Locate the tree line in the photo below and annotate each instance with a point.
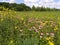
(23, 7)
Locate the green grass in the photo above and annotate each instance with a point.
(29, 28)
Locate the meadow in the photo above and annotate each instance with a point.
(30, 28)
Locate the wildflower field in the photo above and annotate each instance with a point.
(29, 28)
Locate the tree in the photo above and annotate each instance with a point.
(23, 7)
(33, 8)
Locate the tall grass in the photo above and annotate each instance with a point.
(29, 28)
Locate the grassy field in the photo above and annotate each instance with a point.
(29, 28)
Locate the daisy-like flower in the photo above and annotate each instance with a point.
(42, 33)
(40, 27)
(52, 34)
(21, 30)
(47, 33)
(41, 36)
(36, 30)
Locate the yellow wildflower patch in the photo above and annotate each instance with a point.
(22, 18)
(48, 38)
(51, 43)
(2, 19)
(56, 28)
(46, 21)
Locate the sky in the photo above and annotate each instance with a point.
(44, 3)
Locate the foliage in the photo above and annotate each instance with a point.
(29, 28)
(3, 9)
(23, 7)
(14, 6)
(33, 8)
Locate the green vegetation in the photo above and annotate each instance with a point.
(29, 28)
(23, 7)
(14, 6)
(33, 26)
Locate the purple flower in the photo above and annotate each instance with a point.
(36, 30)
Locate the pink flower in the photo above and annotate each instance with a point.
(30, 19)
(36, 30)
(42, 33)
(47, 33)
(21, 30)
(52, 34)
(40, 27)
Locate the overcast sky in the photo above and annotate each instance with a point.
(44, 3)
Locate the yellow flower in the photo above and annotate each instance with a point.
(22, 18)
(2, 19)
(51, 25)
(59, 23)
(15, 11)
(51, 43)
(4, 14)
(11, 41)
(48, 38)
(43, 24)
(24, 22)
(46, 21)
(16, 27)
(56, 28)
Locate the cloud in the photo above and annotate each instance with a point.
(44, 3)
(31, 0)
(10, 1)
